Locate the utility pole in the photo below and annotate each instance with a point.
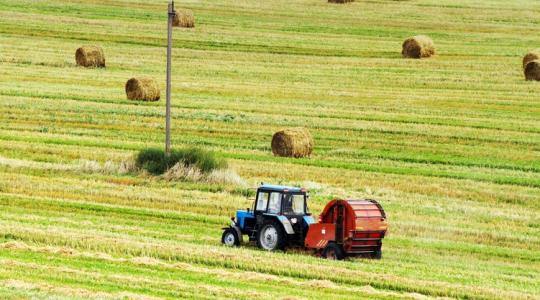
(171, 14)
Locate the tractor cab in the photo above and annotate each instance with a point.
(278, 218)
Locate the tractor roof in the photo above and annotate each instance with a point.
(281, 188)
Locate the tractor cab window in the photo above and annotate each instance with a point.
(294, 204)
(275, 203)
(262, 201)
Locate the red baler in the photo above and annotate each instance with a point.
(348, 228)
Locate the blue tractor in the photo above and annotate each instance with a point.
(278, 219)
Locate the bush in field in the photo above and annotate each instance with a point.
(152, 160)
(156, 162)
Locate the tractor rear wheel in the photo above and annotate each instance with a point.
(271, 237)
(230, 238)
(333, 251)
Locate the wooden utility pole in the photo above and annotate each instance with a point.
(171, 14)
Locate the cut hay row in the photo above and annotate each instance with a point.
(113, 277)
(213, 256)
(510, 133)
(507, 128)
(155, 274)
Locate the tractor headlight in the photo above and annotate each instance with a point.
(294, 220)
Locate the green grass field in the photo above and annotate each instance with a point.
(449, 145)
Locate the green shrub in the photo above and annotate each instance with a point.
(152, 160)
(156, 162)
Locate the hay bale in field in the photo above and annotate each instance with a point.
(183, 18)
(532, 55)
(292, 142)
(532, 70)
(90, 57)
(340, 1)
(145, 89)
(418, 46)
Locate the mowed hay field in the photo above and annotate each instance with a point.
(449, 145)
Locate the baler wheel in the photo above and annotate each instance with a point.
(333, 251)
(271, 237)
(230, 238)
(377, 254)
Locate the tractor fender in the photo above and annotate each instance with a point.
(238, 232)
(286, 224)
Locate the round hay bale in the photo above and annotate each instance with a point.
(90, 57)
(418, 46)
(145, 89)
(292, 142)
(340, 1)
(532, 70)
(183, 18)
(532, 55)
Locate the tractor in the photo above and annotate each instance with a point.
(278, 219)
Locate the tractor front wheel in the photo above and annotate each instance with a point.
(230, 238)
(333, 251)
(271, 236)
